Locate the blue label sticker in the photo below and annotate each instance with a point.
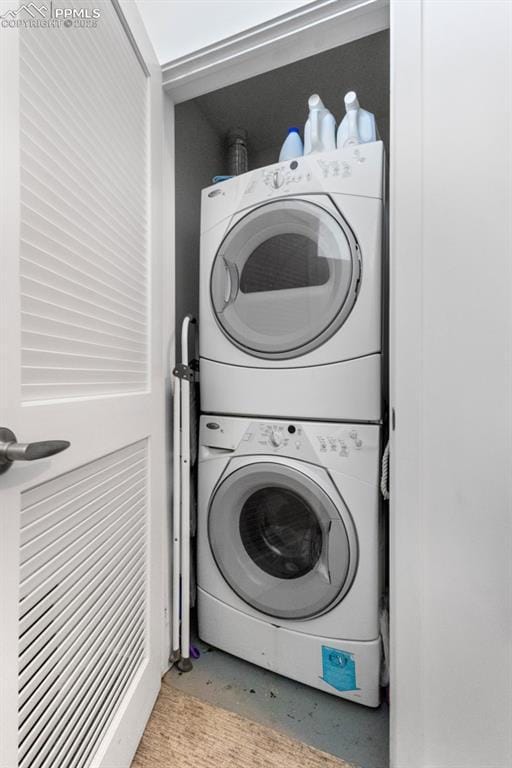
(339, 669)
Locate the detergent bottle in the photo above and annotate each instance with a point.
(358, 126)
(292, 146)
(320, 128)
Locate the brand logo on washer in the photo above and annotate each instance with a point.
(212, 425)
(215, 192)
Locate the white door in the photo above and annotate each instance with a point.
(81, 360)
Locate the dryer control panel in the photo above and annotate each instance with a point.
(350, 171)
(326, 172)
(284, 175)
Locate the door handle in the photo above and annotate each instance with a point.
(324, 565)
(233, 283)
(11, 450)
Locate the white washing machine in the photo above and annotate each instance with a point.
(290, 289)
(288, 549)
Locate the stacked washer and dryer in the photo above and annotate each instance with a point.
(289, 551)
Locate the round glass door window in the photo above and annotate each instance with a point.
(281, 533)
(280, 541)
(285, 278)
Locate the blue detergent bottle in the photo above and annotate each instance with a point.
(292, 146)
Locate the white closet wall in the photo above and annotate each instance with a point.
(199, 156)
(451, 252)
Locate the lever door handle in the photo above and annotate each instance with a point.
(11, 450)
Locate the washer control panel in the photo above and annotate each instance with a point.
(336, 445)
(352, 449)
(341, 445)
(279, 436)
(290, 439)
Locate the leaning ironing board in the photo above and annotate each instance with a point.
(185, 376)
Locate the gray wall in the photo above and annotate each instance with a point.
(268, 104)
(198, 158)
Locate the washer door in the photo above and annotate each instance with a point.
(285, 278)
(280, 541)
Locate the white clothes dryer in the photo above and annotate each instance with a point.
(288, 549)
(290, 289)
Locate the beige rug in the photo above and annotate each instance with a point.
(185, 732)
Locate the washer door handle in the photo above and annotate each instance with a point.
(324, 568)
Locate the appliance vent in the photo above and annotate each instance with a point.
(83, 228)
(82, 606)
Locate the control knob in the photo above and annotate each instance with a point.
(276, 438)
(277, 179)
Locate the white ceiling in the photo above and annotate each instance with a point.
(178, 27)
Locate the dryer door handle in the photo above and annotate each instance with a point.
(232, 283)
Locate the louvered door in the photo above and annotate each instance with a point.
(81, 360)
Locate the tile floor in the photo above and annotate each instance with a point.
(357, 734)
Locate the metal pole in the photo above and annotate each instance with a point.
(176, 520)
(185, 664)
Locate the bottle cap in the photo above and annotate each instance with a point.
(315, 102)
(351, 101)
(293, 129)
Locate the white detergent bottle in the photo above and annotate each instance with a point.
(358, 126)
(320, 128)
(292, 146)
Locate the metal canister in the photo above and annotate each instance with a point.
(238, 161)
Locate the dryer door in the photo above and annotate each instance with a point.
(280, 541)
(285, 278)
